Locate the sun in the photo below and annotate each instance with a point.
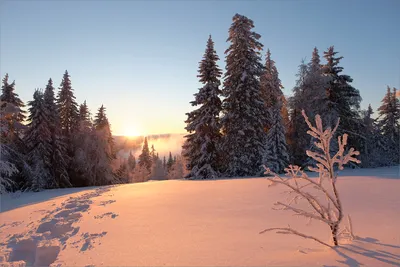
(131, 132)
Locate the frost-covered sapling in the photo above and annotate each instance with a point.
(323, 201)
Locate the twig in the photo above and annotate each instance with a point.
(287, 230)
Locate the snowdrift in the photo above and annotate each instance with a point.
(195, 223)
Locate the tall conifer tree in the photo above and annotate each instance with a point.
(244, 114)
(201, 148)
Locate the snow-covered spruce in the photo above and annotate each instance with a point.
(201, 148)
(59, 157)
(244, 114)
(271, 88)
(389, 124)
(342, 100)
(38, 140)
(7, 167)
(93, 154)
(68, 108)
(326, 206)
(145, 159)
(9, 96)
(308, 94)
(276, 153)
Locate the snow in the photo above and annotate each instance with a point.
(196, 223)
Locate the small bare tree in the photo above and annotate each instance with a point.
(328, 208)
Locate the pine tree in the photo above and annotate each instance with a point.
(389, 124)
(202, 143)
(59, 157)
(343, 100)
(276, 153)
(170, 162)
(84, 140)
(131, 161)
(14, 121)
(298, 140)
(271, 87)
(244, 115)
(7, 167)
(123, 172)
(68, 108)
(84, 113)
(101, 123)
(104, 173)
(373, 149)
(308, 95)
(145, 158)
(39, 143)
(9, 96)
(153, 154)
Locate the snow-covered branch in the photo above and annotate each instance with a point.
(328, 209)
(288, 230)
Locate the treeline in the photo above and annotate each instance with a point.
(60, 146)
(150, 166)
(247, 122)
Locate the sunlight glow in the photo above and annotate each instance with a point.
(131, 132)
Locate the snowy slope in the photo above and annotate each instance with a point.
(195, 223)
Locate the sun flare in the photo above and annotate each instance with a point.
(131, 132)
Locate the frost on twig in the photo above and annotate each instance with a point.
(288, 230)
(323, 201)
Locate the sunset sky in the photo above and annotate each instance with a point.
(140, 58)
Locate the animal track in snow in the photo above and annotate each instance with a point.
(108, 214)
(42, 243)
(104, 203)
(90, 240)
(34, 252)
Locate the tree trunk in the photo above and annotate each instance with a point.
(334, 229)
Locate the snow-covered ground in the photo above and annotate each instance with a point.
(196, 223)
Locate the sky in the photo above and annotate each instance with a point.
(140, 58)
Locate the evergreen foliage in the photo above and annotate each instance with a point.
(244, 114)
(202, 143)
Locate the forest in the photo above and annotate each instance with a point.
(236, 127)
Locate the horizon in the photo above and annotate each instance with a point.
(149, 73)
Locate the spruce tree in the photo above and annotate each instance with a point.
(203, 141)
(84, 113)
(298, 140)
(276, 153)
(83, 165)
(153, 155)
(244, 115)
(145, 158)
(59, 157)
(342, 100)
(308, 95)
(68, 108)
(170, 162)
(122, 172)
(14, 120)
(9, 96)
(8, 167)
(373, 149)
(101, 123)
(39, 144)
(105, 148)
(389, 124)
(271, 87)
(131, 161)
